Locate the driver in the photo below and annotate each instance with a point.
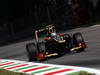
(57, 37)
(53, 35)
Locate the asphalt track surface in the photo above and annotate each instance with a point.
(89, 58)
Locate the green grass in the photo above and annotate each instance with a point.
(6, 72)
(81, 73)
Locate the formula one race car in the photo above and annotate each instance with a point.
(54, 44)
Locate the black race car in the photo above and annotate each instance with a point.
(54, 44)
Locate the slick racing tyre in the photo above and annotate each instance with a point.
(68, 42)
(77, 39)
(42, 51)
(41, 46)
(31, 51)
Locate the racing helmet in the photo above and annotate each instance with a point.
(53, 34)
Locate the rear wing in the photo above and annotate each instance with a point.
(49, 29)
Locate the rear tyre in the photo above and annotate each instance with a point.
(41, 46)
(31, 51)
(42, 51)
(77, 39)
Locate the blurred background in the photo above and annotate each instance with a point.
(19, 18)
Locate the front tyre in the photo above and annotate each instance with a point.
(77, 40)
(68, 42)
